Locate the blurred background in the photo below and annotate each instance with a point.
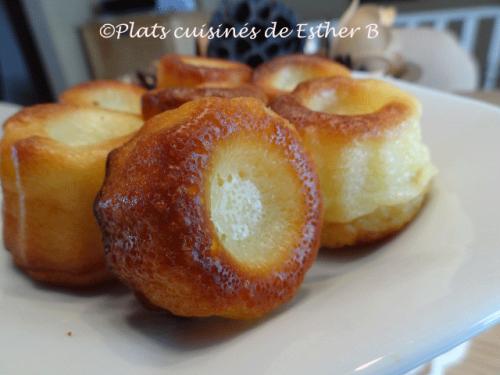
(49, 45)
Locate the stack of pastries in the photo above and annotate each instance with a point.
(220, 185)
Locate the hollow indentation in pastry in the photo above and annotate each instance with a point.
(106, 94)
(282, 74)
(365, 139)
(212, 209)
(349, 97)
(253, 202)
(287, 78)
(83, 128)
(191, 71)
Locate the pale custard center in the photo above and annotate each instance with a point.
(88, 127)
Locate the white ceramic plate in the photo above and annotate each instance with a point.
(383, 310)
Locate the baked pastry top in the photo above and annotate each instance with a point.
(212, 209)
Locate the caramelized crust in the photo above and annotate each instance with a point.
(282, 74)
(161, 100)
(50, 177)
(213, 209)
(191, 71)
(106, 94)
(364, 136)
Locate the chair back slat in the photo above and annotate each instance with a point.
(493, 58)
(469, 21)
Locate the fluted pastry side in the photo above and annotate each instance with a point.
(212, 209)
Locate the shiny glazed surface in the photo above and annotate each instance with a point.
(163, 234)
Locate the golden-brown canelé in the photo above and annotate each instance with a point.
(282, 74)
(161, 100)
(52, 165)
(365, 139)
(106, 94)
(191, 71)
(212, 209)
